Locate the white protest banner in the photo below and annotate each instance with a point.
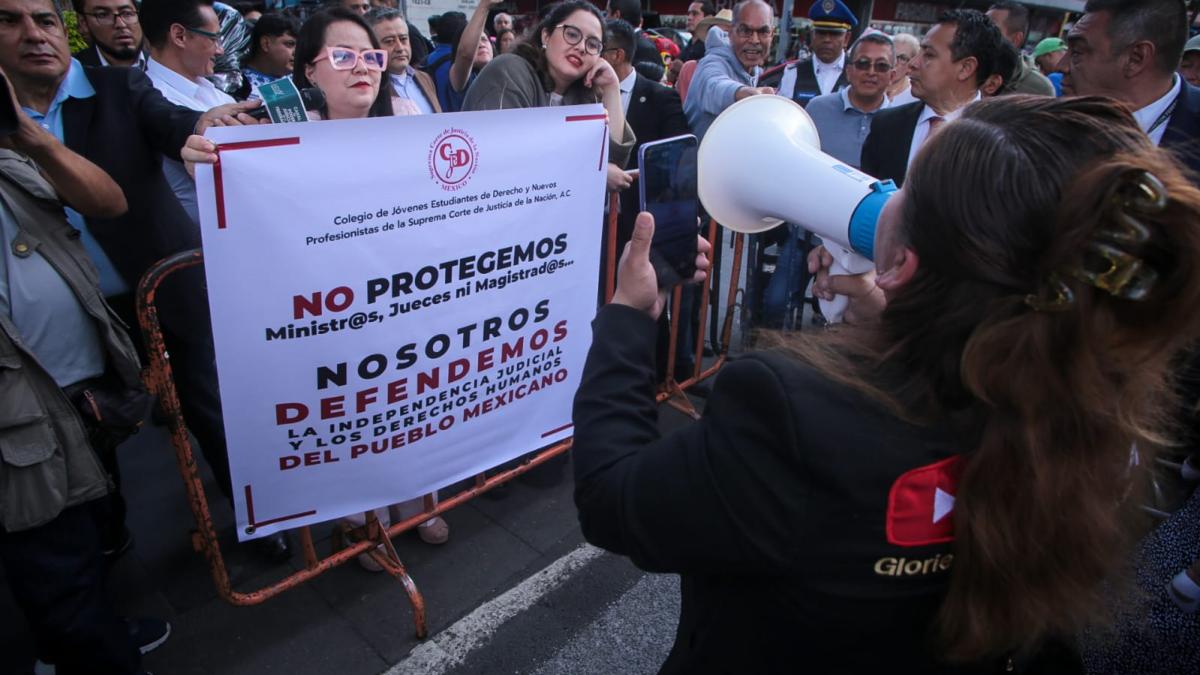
(398, 303)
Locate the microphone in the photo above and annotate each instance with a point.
(311, 97)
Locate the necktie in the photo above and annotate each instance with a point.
(935, 123)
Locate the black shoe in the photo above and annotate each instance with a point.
(274, 548)
(148, 634)
(118, 544)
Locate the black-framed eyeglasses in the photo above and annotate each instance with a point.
(215, 37)
(881, 67)
(574, 36)
(107, 18)
(744, 31)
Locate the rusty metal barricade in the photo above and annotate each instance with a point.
(372, 538)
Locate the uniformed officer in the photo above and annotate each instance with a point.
(825, 71)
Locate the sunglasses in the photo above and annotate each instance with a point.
(341, 58)
(881, 67)
(574, 36)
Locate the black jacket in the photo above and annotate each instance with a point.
(885, 152)
(775, 509)
(807, 87)
(88, 56)
(1183, 131)
(125, 129)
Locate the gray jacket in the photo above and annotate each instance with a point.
(510, 81)
(1028, 80)
(717, 79)
(47, 463)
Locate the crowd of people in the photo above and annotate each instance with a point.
(1032, 296)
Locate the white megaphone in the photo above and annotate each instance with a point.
(761, 165)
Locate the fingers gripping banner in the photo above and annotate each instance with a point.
(397, 303)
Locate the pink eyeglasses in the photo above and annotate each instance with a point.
(341, 58)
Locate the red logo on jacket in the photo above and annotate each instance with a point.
(921, 504)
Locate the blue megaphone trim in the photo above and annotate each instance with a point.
(862, 223)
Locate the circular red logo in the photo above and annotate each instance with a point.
(452, 158)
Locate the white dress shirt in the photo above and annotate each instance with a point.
(1154, 113)
(140, 64)
(903, 98)
(828, 73)
(406, 87)
(200, 95)
(627, 89)
(921, 133)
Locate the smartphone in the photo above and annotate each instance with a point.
(667, 187)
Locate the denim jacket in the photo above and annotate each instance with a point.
(46, 461)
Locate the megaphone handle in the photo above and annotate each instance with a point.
(833, 309)
(845, 262)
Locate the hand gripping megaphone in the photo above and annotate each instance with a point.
(761, 164)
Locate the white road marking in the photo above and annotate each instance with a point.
(451, 647)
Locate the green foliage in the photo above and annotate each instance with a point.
(73, 36)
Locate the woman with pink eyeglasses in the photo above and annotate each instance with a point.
(338, 53)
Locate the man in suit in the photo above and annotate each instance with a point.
(1129, 50)
(825, 71)
(113, 32)
(408, 82)
(117, 119)
(957, 56)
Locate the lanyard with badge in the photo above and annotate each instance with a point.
(1166, 115)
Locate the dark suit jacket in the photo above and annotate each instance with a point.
(807, 87)
(655, 112)
(1183, 131)
(125, 129)
(88, 56)
(885, 152)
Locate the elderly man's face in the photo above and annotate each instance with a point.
(828, 45)
(33, 41)
(502, 22)
(751, 35)
(905, 53)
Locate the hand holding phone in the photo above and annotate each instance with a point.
(667, 185)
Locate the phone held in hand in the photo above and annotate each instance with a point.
(667, 186)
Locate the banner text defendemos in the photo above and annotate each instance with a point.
(501, 372)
